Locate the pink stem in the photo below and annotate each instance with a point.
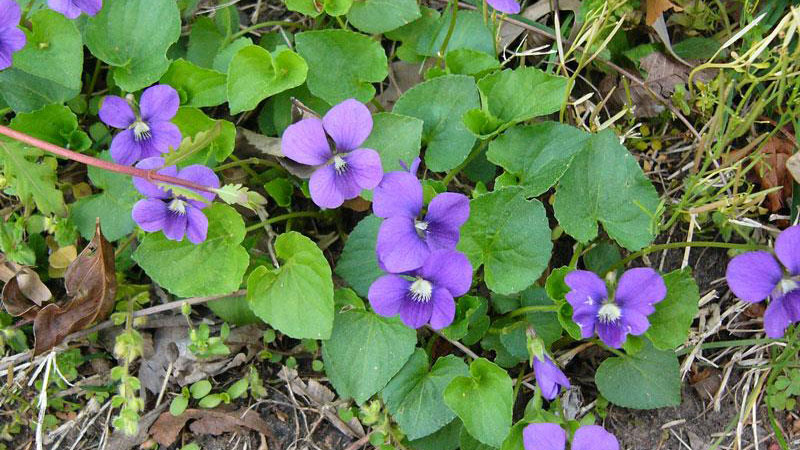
(149, 175)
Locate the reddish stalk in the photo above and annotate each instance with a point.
(149, 175)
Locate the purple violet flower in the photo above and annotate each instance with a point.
(754, 276)
(149, 132)
(342, 172)
(425, 295)
(171, 212)
(550, 436)
(405, 239)
(505, 6)
(614, 317)
(12, 39)
(549, 377)
(73, 8)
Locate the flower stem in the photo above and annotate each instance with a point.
(149, 175)
(672, 245)
(529, 309)
(281, 218)
(450, 29)
(270, 23)
(474, 154)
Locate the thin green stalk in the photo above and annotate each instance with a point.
(246, 162)
(672, 245)
(446, 42)
(474, 154)
(267, 24)
(531, 309)
(725, 344)
(281, 218)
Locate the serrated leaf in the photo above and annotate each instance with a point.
(364, 352)
(32, 180)
(358, 263)
(537, 154)
(605, 184)
(414, 397)
(254, 74)
(194, 125)
(510, 236)
(483, 401)
(297, 297)
(113, 206)
(648, 380)
(380, 16)
(133, 37)
(447, 140)
(198, 86)
(184, 269)
(342, 64)
(48, 70)
(669, 325)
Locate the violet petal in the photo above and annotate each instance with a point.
(444, 308)
(159, 103)
(752, 276)
(203, 176)
(415, 314)
(594, 437)
(196, 225)
(349, 124)
(448, 269)
(387, 295)
(147, 188)
(787, 248)
(324, 189)
(305, 142)
(505, 6)
(10, 13)
(175, 226)
(399, 248)
(125, 149)
(544, 436)
(398, 194)
(640, 288)
(66, 7)
(90, 7)
(782, 312)
(363, 168)
(116, 112)
(611, 333)
(150, 214)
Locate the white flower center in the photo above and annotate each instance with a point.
(178, 206)
(141, 131)
(339, 164)
(421, 290)
(609, 312)
(787, 285)
(420, 225)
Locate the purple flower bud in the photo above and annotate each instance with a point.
(73, 8)
(550, 436)
(148, 133)
(341, 173)
(505, 6)
(754, 276)
(173, 213)
(613, 318)
(405, 239)
(12, 39)
(426, 294)
(549, 377)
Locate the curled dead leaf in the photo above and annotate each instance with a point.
(772, 171)
(706, 382)
(24, 293)
(207, 421)
(90, 281)
(655, 8)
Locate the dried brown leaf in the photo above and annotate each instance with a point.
(706, 382)
(656, 8)
(206, 421)
(24, 293)
(91, 283)
(772, 171)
